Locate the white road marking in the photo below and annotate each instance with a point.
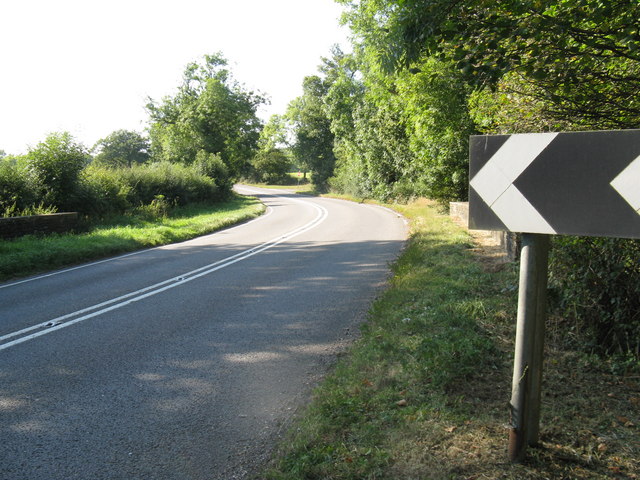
(67, 320)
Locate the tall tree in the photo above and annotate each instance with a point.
(210, 112)
(274, 134)
(313, 146)
(122, 148)
(398, 134)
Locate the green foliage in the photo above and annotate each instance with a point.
(598, 288)
(118, 190)
(56, 175)
(438, 128)
(398, 135)
(104, 191)
(515, 105)
(440, 70)
(313, 145)
(211, 165)
(54, 166)
(274, 134)
(272, 167)
(210, 113)
(583, 56)
(16, 191)
(40, 209)
(122, 148)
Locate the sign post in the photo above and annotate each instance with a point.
(580, 183)
(527, 368)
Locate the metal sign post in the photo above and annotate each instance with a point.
(527, 367)
(541, 184)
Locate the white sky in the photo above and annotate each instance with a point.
(87, 66)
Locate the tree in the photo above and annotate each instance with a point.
(582, 56)
(211, 113)
(122, 148)
(54, 167)
(313, 145)
(398, 134)
(273, 161)
(274, 134)
(271, 166)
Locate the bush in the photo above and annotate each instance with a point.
(212, 166)
(108, 190)
(177, 183)
(597, 285)
(104, 191)
(16, 192)
(54, 166)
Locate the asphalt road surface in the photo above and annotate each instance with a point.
(185, 361)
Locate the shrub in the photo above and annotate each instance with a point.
(116, 190)
(597, 284)
(104, 191)
(54, 167)
(16, 192)
(179, 184)
(212, 166)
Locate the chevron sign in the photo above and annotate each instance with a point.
(580, 183)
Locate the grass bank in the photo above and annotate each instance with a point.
(423, 393)
(146, 228)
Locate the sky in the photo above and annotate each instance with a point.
(88, 66)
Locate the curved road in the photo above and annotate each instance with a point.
(184, 361)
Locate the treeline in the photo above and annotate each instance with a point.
(199, 142)
(392, 119)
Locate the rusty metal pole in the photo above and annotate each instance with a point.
(527, 366)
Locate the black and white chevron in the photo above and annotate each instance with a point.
(578, 183)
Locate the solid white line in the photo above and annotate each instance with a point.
(54, 324)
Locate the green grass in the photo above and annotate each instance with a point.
(33, 254)
(423, 393)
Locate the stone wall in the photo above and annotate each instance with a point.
(13, 227)
(507, 241)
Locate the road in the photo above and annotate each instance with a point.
(185, 361)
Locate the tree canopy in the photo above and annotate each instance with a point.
(314, 141)
(581, 56)
(210, 112)
(122, 148)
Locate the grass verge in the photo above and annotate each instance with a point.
(32, 254)
(423, 393)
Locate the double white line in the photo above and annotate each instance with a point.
(78, 316)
